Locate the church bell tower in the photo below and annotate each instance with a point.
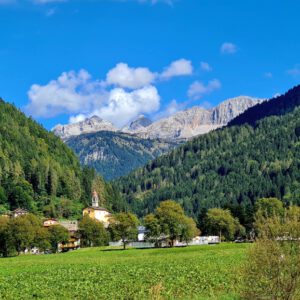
(95, 199)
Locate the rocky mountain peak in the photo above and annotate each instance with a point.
(181, 126)
(231, 108)
(89, 125)
(137, 124)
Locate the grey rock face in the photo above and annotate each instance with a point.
(138, 124)
(89, 125)
(196, 120)
(181, 126)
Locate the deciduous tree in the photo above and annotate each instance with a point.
(92, 232)
(123, 226)
(221, 222)
(170, 222)
(58, 234)
(272, 269)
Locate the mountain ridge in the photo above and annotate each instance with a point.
(183, 125)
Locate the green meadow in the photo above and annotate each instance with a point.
(195, 272)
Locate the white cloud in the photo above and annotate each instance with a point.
(295, 71)
(78, 95)
(77, 118)
(205, 66)
(124, 76)
(70, 93)
(181, 67)
(133, 78)
(198, 88)
(228, 48)
(122, 106)
(124, 94)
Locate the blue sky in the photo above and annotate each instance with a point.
(61, 61)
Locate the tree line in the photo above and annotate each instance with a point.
(166, 225)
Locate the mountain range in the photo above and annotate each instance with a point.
(116, 152)
(182, 125)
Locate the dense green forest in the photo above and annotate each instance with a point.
(40, 173)
(274, 107)
(115, 154)
(229, 168)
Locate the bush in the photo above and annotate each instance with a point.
(272, 270)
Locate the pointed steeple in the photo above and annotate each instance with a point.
(95, 199)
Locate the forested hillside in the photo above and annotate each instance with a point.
(115, 154)
(39, 172)
(274, 107)
(230, 167)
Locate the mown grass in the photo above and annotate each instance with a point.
(196, 272)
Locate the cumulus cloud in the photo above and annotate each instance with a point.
(124, 76)
(228, 48)
(197, 89)
(133, 78)
(76, 94)
(205, 66)
(71, 92)
(181, 67)
(122, 106)
(125, 93)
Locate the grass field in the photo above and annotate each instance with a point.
(198, 272)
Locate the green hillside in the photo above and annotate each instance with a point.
(38, 171)
(115, 154)
(231, 167)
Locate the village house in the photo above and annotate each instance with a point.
(96, 212)
(72, 227)
(50, 222)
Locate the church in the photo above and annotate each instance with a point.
(96, 212)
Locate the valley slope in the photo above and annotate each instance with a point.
(115, 154)
(38, 172)
(230, 167)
